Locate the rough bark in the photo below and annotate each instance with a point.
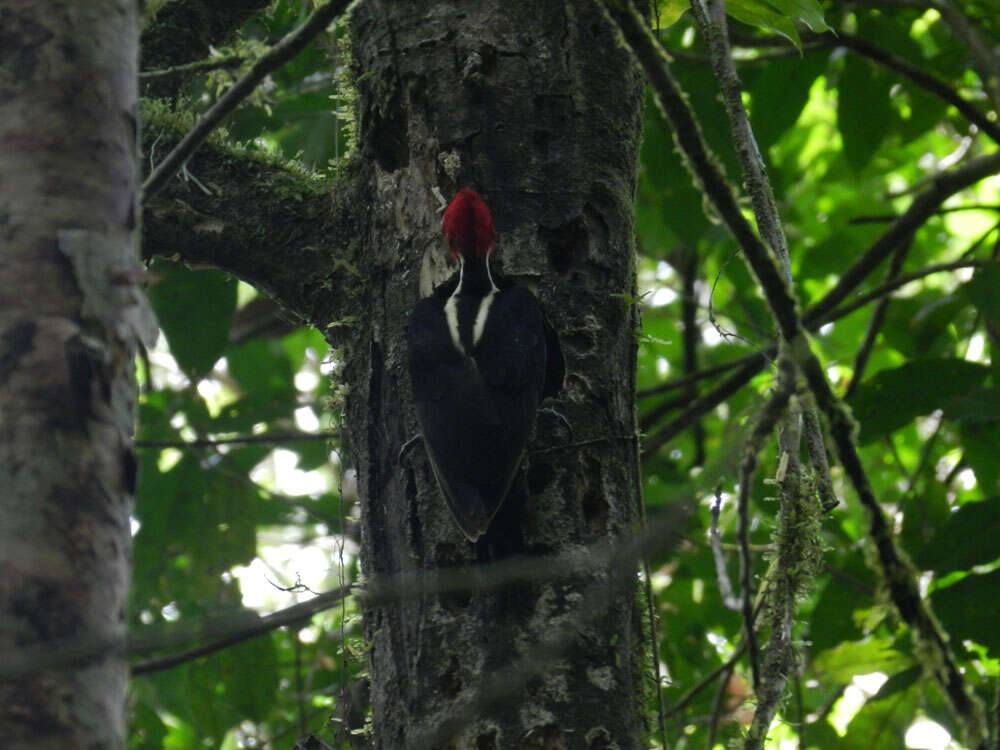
(295, 244)
(536, 106)
(68, 309)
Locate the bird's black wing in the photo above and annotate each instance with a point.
(476, 413)
(458, 420)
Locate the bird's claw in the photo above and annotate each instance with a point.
(553, 413)
(407, 447)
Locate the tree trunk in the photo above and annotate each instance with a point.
(68, 308)
(537, 107)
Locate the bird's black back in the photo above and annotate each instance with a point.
(476, 409)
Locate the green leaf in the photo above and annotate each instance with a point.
(261, 365)
(762, 15)
(983, 291)
(925, 515)
(863, 110)
(981, 443)
(195, 310)
(250, 670)
(891, 398)
(982, 405)
(668, 11)
(832, 620)
(918, 326)
(146, 729)
(839, 665)
(970, 536)
(931, 323)
(882, 724)
(968, 610)
(807, 11)
(897, 683)
(778, 94)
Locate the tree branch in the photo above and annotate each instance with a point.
(294, 244)
(684, 382)
(729, 599)
(752, 364)
(876, 321)
(921, 208)
(927, 82)
(278, 55)
(266, 437)
(186, 30)
(900, 578)
(766, 423)
(199, 66)
(296, 614)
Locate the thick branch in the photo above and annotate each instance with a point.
(292, 245)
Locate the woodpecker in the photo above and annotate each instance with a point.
(482, 357)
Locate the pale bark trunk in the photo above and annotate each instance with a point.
(67, 313)
(536, 106)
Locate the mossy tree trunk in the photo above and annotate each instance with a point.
(68, 310)
(537, 107)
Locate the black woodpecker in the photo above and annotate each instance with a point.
(482, 357)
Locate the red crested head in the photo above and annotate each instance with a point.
(468, 226)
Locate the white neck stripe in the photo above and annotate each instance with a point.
(484, 309)
(451, 309)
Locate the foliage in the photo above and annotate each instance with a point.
(847, 144)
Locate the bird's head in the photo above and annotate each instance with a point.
(468, 226)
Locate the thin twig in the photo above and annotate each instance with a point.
(817, 316)
(813, 321)
(704, 403)
(708, 372)
(199, 66)
(751, 364)
(716, 714)
(819, 460)
(923, 206)
(729, 600)
(278, 55)
(886, 218)
(800, 713)
(987, 57)
(234, 633)
(924, 80)
(876, 321)
(692, 341)
(264, 437)
(650, 418)
(955, 471)
(654, 639)
(707, 680)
